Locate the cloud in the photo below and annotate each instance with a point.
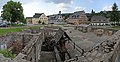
(79, 8)
(30, 8)
(39, 7)
(107, 8)
(2, 2)
(63, 7)
(59, 1)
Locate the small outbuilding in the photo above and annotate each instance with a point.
(99, 21)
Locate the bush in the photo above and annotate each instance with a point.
(8, 54)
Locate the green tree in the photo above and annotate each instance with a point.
(92, 13)
(13, 11)
(114, 14)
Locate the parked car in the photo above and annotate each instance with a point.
(3, 24)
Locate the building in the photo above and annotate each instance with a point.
(99, 20)
(29, 20)
(38, 18)
(77, 18)
(56, 19)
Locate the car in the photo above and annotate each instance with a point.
(3, 24)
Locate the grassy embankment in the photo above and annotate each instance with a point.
(4, 31)
(114, 28)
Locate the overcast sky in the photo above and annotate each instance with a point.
(53, 6)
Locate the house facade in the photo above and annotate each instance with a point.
(56, 19)
(38, 18)
(77, 18)
(29, 20)
(99, 20)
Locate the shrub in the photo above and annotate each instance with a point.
(8, 54)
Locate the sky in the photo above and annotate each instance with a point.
(50, 7)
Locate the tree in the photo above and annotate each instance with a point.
(13, 11)
(114, 13)
(92, 13)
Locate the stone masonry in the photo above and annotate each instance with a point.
(104, 52)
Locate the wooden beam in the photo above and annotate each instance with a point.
(58, 59)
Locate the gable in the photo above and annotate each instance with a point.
(78, 14)
(37, 15)
(43, 15)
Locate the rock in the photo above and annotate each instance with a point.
(94, 53)
(99, 54)
(90, 59)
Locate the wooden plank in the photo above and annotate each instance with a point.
(58, 59)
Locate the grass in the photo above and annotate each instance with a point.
(8, 54)
(9, 30)
(4, 31)
(115, 28)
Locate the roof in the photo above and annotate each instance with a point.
(99, 19)
(54, 17)
(37, 15)
(77, 14)
(29, 17)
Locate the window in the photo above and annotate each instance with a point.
(72, 16)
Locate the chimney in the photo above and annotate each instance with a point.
(59, 12)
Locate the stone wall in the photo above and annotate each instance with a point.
(106, 51)
(108, 32)
(19, 58)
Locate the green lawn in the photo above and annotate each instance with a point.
(116, 27)
(4, 31)
(9, 30)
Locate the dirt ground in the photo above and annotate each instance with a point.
(85, 40)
